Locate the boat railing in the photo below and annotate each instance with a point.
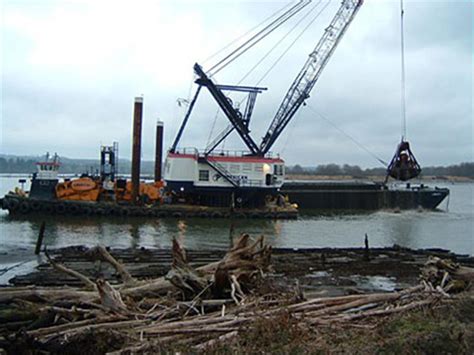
(219, 153)
(233, 153)
(187, 150)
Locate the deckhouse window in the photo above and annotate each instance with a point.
(203, 175)
(258, 167)
(246, 167)
(278, 169)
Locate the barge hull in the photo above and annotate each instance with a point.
(19, 205)
(361, 196)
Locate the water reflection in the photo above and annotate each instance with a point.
(135, 236)
(452, 230)
(401, 229)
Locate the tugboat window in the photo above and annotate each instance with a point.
(203, 175)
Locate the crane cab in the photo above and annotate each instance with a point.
(214, 178)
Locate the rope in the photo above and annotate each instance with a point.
(212, 127)
(360, 145)
(279, 42)
(403, 90)
(245, 34)
(290, 131)
(293, 43)
(268, 29)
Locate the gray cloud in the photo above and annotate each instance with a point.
(71, 70)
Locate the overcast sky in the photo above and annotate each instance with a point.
(71, 70)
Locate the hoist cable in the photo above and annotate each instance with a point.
(403, 89)
(269, 28)
(360, 145)
(279, 42)
(212, 127)
(245, 34)
(290, 131)
(262, 34)
(292, 44)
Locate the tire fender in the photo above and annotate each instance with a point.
(60, 208)
(24, 207)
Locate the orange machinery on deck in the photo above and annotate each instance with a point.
(82, 189)
(148, 192)
(87, 189)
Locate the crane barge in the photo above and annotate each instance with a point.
(249, 177)
(244, 180)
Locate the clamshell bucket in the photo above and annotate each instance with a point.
(403, 165)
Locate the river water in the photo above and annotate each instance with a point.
(450, 228)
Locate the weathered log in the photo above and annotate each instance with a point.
(184, 277)
(44, 294)
(110, 298)
(162, 286)
(385, 312)
(74, 312)
(356, 303)
(217, 329)
(92, 327)
(64, 327)
(240, 263)
(127, 279)
(89, 284)
(39, 241)
(448, 275)
(151, 288)
(200, 321)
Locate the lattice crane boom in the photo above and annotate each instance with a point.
(306, 79)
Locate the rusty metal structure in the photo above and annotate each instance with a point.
(158, 151)
(136, 148)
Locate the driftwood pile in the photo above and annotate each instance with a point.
(197, 308)
(447, 276)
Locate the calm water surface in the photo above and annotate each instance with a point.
(451, 228)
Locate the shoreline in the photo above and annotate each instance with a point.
(292, 301)
(335, 271)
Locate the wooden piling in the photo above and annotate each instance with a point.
(366, 248)
(158, 151)
(39, 242)
(136, 148)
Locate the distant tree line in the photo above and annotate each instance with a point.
(17, 165)
(21, 165)
(80, 166)
(463, 169)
